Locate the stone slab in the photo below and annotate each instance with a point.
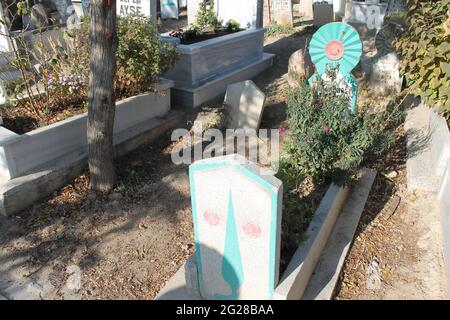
(248, 13)
(145, 7)
(281, 12)
(419, 165)
(295, 279)
(244, 103)
(440, 143)
(323, 14)
(444, 201)
(385, 77)
(194, 97)
(323, 282)
(236, 211)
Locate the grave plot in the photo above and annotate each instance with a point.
(43, 139)
(214, 52)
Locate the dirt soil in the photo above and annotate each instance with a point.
(397, 250)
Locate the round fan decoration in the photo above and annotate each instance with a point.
(335, 43)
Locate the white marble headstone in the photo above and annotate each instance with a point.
(169, 9)
(385, 77)
(281, 12)
(145, 7)
(244, 103)
(237, 223)
(248, 13)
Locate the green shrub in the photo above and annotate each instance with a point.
(232, 26)
(206, 17)
(326, 141)
(141, 55)
(425, 52)
(276, 29)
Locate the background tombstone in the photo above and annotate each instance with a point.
(300, 67)
(385, 77)
(169, 9)
(192, 9)
(146, 7)
(323, 13)
(248, 13)
(281, 12)
(237, 226)
(244, 103)
(305, 8)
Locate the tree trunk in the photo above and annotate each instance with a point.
(103, 43)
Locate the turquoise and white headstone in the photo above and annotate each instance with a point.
(169, 9)
(237, 225)
(337, 44)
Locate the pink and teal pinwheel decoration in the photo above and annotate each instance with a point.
(336, 44)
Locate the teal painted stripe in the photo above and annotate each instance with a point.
(195, 220)
(273, 244)
(232, 270)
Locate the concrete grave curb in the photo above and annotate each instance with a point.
(296, 277)
(19, 193)
(323, 281)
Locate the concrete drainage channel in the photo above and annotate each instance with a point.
(314, 270)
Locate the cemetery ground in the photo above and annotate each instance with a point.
(130, 242)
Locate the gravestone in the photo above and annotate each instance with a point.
(281, 12)
(145, 7)
(385, 77)
(192, 9)
(237, 228)
(248, 13)
(323, 13)
(169, 9)
(244, 103)
(300, 68)
(337, 44)
(397, 6)
(305, 8)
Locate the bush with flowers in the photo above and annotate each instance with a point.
(326, 140)
(54, 76)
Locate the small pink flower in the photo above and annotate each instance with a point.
(318, 103)
(326, 129)
(211, 217)
(252, 230)
(281, 131)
